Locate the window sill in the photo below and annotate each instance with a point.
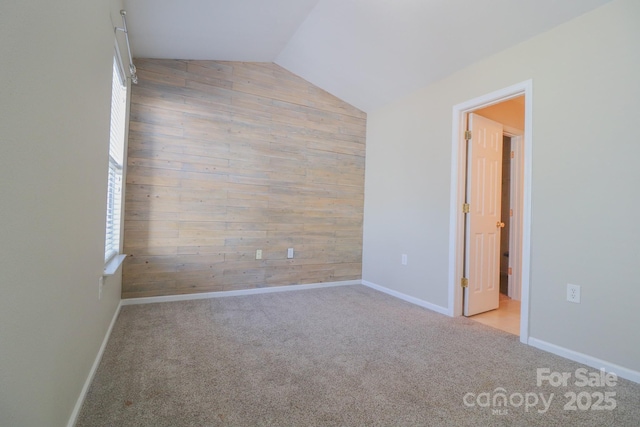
(112, 266)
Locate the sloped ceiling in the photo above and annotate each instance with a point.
(366, 52)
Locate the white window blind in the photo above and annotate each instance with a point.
(116, 159)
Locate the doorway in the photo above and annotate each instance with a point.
(506, 315)
(519, 288)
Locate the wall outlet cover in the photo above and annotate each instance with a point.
(573, 293)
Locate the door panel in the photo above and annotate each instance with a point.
(482, 241)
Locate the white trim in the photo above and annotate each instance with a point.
(585, 359)
(526, 212)
(515, 222)
(405, 297)
(221, 294)
(456, 223)
(114, 263)
(121, 74)
(511, 132)
(92, 372)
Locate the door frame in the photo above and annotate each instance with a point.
(515, 225)
(458, 182)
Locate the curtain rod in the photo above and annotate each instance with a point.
(132, 68)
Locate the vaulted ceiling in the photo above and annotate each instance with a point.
(366, 52)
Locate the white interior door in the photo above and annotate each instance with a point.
(482, 240)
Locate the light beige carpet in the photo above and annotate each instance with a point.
(344, 356)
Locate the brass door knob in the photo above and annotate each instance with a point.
(500, 224)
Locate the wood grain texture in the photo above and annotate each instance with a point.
(226, 158)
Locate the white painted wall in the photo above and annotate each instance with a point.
(584, 190)
(55, 89)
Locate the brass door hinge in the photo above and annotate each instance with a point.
(464, 282)
(466, 208)
(467, 135)
(513, 154)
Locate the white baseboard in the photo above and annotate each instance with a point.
(92, 372)
(220, 294)
(594, 362)
(412, 300)
(585, 359)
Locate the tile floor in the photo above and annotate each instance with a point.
(506, 317)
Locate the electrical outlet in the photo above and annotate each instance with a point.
(573, 293)
(100, 284)
(404, 259)
(259, 254)
(290, 253)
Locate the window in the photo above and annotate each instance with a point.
(116, 162)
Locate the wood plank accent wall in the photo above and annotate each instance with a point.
(226, 158)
